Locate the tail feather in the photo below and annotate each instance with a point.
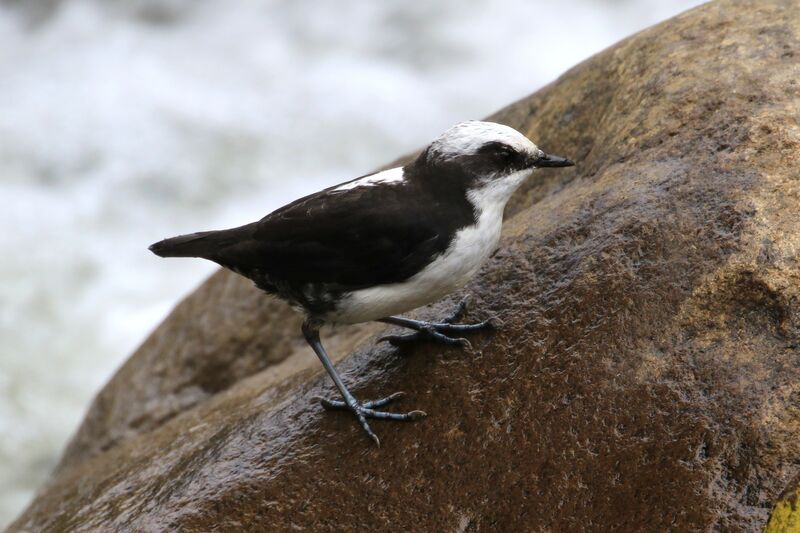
(203, 244)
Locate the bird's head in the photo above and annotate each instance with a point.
(488, 154)
(488, 148)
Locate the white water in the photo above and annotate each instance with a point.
(122, 122)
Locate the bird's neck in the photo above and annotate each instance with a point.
(491, 198)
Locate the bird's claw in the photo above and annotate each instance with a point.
(459, 312)
(495, 322)
(399, 340)
(442, 331)
(365, 410)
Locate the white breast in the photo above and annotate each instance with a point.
(451, 270)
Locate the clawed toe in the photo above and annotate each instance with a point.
(452, 341)
(438, 331)
(402, 417)
(365, 410)
(399, 340)
(459, 312)
(332, 405)
(495, 322)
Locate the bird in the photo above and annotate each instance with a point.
(383, 244)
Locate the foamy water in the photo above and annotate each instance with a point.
(121, 125)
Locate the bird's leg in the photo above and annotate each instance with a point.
(362, 411)
(438, 331)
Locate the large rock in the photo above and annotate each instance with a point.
(647, 378)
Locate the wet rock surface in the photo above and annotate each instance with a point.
(647, 377)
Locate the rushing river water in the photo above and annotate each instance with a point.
(122, 122)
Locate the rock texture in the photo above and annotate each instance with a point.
(647, 378)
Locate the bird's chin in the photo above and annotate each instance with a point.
(522, 174)
(502, 178)
(497, 190)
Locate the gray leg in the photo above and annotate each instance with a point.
(362, 411)
(437, 331)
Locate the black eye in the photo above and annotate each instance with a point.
(506, 152)
(499, 152)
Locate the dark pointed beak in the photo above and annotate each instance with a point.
(549, 160)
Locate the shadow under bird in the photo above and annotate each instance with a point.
(383, 244)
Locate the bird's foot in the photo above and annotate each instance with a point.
(439, 331)
(365, 410)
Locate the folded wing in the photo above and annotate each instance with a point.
(353, 238)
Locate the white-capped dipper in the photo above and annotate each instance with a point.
(384, 243)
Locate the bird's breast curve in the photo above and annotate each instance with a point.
(453, 268)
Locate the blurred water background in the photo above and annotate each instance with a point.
(125, 121)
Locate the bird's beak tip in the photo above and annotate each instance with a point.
(549, 160)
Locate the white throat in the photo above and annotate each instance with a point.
(494, 195)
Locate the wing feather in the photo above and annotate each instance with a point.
(352, 238)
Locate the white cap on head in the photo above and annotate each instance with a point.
(466, 138)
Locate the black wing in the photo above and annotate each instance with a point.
(352, 238)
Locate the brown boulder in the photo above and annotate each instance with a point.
(647, 378)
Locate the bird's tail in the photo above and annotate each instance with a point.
(201, 244)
